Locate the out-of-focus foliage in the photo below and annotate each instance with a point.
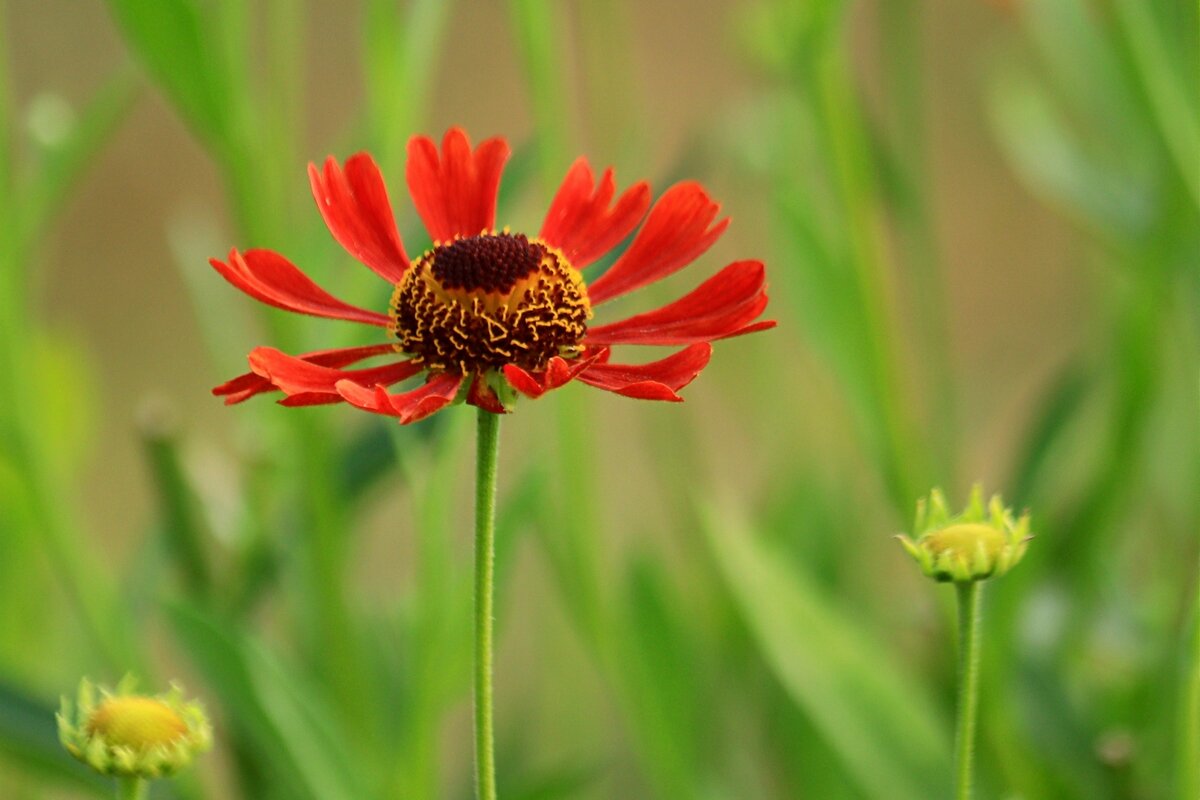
(769, 644)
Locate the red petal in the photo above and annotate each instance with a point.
(658, 380)
(243, 387)
(409, 406)
(722, 306)
(580, 223)
(270, 278)
(523, 381)
(483, 396)
(310, 399)
(455, 194)
(680, 227)
(374, 399)
(298, 376)
(558, 372)
(356, 209)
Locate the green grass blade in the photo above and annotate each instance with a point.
(659, 671)
(294, 735)
(29, 739)
(170, 39)
(1058, 409)
(63, 164)
(882, 725)
(537, 31)
(1051, 157)
(1171, 94)
(7, 151)
(400, 50)
(179, 514)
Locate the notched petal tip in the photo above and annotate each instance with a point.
(355, 206)
(455, 191)
(679, 228)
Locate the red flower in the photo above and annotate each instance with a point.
(487, 312)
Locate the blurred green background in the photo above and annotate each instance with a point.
(982, 229)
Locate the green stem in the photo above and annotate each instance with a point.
(892, 428)
(903, 70)
(1189, 766)
(969, 613)
(132, 789)
(487, 449)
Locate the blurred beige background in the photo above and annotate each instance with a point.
(110, 279)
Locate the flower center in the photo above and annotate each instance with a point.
(965, 539)
(139, 723)
(481, 302)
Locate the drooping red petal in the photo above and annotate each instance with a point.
(270, 278)
(310, 399)
(658, 380)
(558, 372)
(408, 406)
(245, 386)
(455, 193)
(355, 206)
(523, 381)
(483, 396)
(242, 388)
(296, 376)
(724, 305)
(680, 227)
(580, 223)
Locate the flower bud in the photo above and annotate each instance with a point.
(130, 735)
(973, 546)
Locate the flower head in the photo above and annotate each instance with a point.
(973, 546)
(130, 735)
(486, 313)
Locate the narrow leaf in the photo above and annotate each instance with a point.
(29, 739)
(169, 38)
(280, 716)
(881, 724)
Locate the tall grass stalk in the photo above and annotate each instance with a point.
(539, 43)
(826, 80)
(537, 31)
(901, 23)
(43, 509)
(400, 48)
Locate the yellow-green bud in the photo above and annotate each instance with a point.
(130, 735)
(972, 546)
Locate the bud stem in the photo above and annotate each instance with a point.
(487, 451)
(132, 789)
(1189, 765)
(969, 614)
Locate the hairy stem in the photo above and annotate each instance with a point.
(969, 613)
(132, 789)
(487, 449)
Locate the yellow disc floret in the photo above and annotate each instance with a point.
(477, 303)
(140, 723)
